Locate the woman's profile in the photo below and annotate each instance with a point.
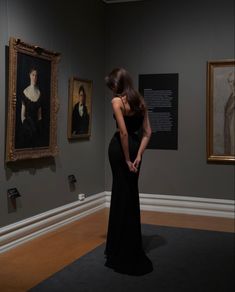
(229, 118)
(124, 251)
(31, 112)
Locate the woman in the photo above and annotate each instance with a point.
(124, 251)
(80, 117)
(31, 112)
(229, 118)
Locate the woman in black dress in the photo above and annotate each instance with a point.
(31, 113)
(124, 251)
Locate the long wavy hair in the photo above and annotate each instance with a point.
(120, 82)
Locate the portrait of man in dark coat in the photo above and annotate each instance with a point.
(80, 116)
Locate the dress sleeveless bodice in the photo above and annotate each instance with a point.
(31, 108)
(133, 123)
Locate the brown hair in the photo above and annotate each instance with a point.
(120, 82)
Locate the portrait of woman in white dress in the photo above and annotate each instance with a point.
(32, 103)
(31, 112)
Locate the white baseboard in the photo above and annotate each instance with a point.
(24, 230)
(30, 228)
(184, 205)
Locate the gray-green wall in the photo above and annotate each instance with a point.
(76, 30)
(166, 36)
(145, 37)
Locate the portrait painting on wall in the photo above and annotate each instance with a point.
(32, 102)
(221, 111)
(79, 110)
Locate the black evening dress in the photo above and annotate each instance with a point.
(124, 251)
(31, 127)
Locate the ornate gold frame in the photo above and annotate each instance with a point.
(212, 156)
(72, 84)
(12, 153)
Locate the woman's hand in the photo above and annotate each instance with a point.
(137, 161)
(131, 166)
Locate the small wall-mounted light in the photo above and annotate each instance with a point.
(13, 193)
(72, 179)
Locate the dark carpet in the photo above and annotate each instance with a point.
(184, 260)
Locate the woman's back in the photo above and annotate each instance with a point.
(133, 120)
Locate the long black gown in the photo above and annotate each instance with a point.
(30, 132)
(124, 251)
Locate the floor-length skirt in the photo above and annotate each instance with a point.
(124, 251)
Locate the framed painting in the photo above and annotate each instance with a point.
(221, 111)
(32, 102)
(79, 108)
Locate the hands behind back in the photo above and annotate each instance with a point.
(133, 166)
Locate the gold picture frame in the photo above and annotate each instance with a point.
(32, 102)
(79, 108)
(221, 111)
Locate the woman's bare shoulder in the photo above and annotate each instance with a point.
(116, 100)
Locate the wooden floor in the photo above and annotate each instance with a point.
(25, 266)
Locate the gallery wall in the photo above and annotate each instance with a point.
(76, 30)
(151, 37)
(146, 37)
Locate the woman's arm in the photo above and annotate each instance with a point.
(117, 109)
(22, 112)
(145, 138)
